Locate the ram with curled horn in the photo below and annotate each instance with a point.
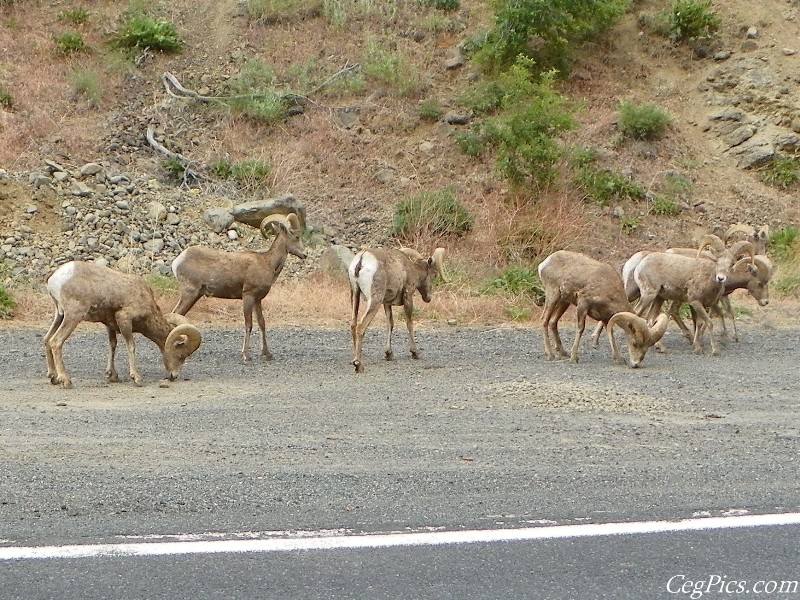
(125, 304)
(596, 290)
(245, 275)
(759, 239)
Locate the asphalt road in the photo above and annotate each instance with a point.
(480, 434)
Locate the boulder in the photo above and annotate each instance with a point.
(252, 213)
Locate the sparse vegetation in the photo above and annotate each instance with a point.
(141, 31)
(782, 242)
(518, 280)
(87, 84)
(644, 121)
(75, 16)
(270, 11)
(431, 110)
(390, 68)
(782, 172)
(7, 303)
(431, 213)
(70, 43)
(664, 207)
(602, 186)
(691, 20)
(6, 99)
(441, 4)
(254, 94)
(249, 174)
(629, 224)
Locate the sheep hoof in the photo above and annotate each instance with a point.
(245, 358)
(66, 383)
(359, 367)
(137, 381)
(54, 380)
(389, 355)
(112, 377)
(415, 355)
(266, 355)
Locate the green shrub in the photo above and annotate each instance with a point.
(692, 19)
(482, 98)
(255, 94)
(629, 225)
(143, 31)
(664, 207)
(519, 279)
(174, 168)
(642, 121)
(162, 283)
(472, 142)
(782, 242)
(431, 110)
(557, 24)
(781, 172)
(437, 212)
(390, 68)
(6, 99)
(441, 4)
(7, 303)
(76, 16)
(788, 285)
(70, 43)
(602, 186)
(677, 186)
(531, 114)
(87, 84)
(250, 173)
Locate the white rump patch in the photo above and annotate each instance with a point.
(58, 280)
(369, 266)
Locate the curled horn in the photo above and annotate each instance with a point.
(174, 319)
(411, 253)
(739, 228)
(711, 240)
(764, 266)
(438, 259)
(192, 334)
(266, 224)
(642, 332)
(743, 248)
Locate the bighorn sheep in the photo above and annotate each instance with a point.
(124, 304)
(246, 275)
(595, 289)
(389, 277)
(694, 280)
(759, 239)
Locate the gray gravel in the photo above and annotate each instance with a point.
(482, 430)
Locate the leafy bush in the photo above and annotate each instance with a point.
(531, 114)
(692, 19)
(556, 23)
(441, 4)
(781, 172)
(174, 168)
(76, 16)
(437, 212)
(642, 121)
(782, 242)
(7, 303)
(629, 225)
(143, 31)
(473, 142)
(250, 173)
(483, 97)
(255, 95)
(664, 207)
(6, 99)
(70, 43)
(602, 186)
(519, 279)
(431, 110)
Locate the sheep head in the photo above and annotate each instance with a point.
(181, 343)
(712, 241)
(432, 266)
(760, 269)
(641, 336)
(289, 225)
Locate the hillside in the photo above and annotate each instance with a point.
(353, 152)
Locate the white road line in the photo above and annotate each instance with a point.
(389, 540)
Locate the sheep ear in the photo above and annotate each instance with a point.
(180, 340)
(430, 261)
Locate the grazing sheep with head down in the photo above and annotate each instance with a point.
(595, 289)
(245, 275)
(124, 304)
(389, 278)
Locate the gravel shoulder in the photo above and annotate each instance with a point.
(480, 431)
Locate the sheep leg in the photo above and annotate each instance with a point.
(111, 372)
(56, 342)
(724, 307)
(408, 309)
(581, 325)
(360, 329)
(126, 330)
(387, 308)
(248, 303)
(263, 327)
(615, 353)
(674, 312)
(703, 320)
(596, 335)
(552, 313)
(187, 300)
(562, 308)
(58, 318)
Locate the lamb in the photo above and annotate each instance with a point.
(125, 304)
(389, 277)
(595, 289)
(245, 275)
(694, 280)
